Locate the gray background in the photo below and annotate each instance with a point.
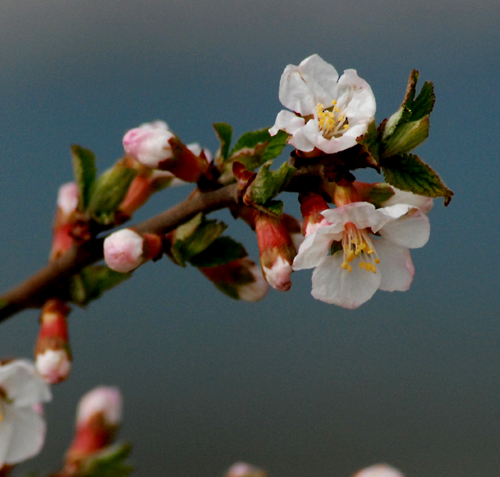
(290, 384)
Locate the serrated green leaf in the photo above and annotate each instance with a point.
(109, 462)
(194, 237)
(408, 172)
(92, 282)
(84, 171)
(379, 193)
(424, 103)
(276, 145)
(269, 183)
(250, 140)
(221, 251)
(224, 133)
(406, 137)
(108, 192)
(251, 158)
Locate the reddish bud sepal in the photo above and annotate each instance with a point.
(277, 250)
(52, 351)
(98, 418)
(311, 206)
(239, 279)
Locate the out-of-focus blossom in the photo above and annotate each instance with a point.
(98, 417)
(327, 112)
(22, 427)
(67, 198)
(379, 470)
(351, 264)
(242, 469)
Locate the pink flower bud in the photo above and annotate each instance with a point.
(379, 470)
(155, 146)
(67, 197)
(149, 143)
(242, 469)
(311, 206)
(239, 279)
(98, 417)
(52, 351)
(123, 250)
(276, 250)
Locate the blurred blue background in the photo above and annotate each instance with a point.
(290, 384)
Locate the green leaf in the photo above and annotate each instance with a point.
(408, 172)
(269, 183)
(92, 282)
(251, 158)
(193, 237)
(84, 171)
(110, 462)
(406, 137)
(409, 126)
(221, 251)
(109, 191)
(379, 193)
(224, 133)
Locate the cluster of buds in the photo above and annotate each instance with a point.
(52, 351)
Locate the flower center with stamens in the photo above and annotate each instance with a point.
(357, 244)
(332, 122)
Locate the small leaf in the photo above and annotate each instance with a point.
(379, 193)
(371, 141)
(269, 183)
(221, 251)
(224, 133)
(84, 171)
(109, 191)
(92, 282)
(194, 237)
(406, 137)
(274, 144)
(110, 462)
(408, 172)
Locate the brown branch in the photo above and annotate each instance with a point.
(47, 282)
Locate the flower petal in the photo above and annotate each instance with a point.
(361, 104)
(412, 230)
(321, 78)
(332, 284)
(294, 93)
(424, 204)
(395, 267)
(312, 251)
(362, 214)
(28, 434)
(287, 121)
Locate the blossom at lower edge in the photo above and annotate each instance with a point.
(22, 427)
(360, 263)
(379, 470)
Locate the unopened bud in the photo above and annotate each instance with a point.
(379, 470)
(242, 469)
(311, 206)
(67, 198)
(52, 351)
(240, 279)
(155, 146)
(125, 250)
(98, 417)
(276, 250)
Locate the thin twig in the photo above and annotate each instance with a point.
(49, 281)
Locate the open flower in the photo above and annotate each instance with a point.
(360, 263)
(379, 470)
(329, 113)
(22, 428)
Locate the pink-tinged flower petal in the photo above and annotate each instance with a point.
(23, 385)
(313, 250)
(27, 434)
(395, 267)
(379, 470)
(149, 143)
(362, 214)
(123, 250)
(294, 93)
(306, 138)
(411, 229)
(358, 95)
(278, 276)
(424, 204)
(287, 121)
(332, 284)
